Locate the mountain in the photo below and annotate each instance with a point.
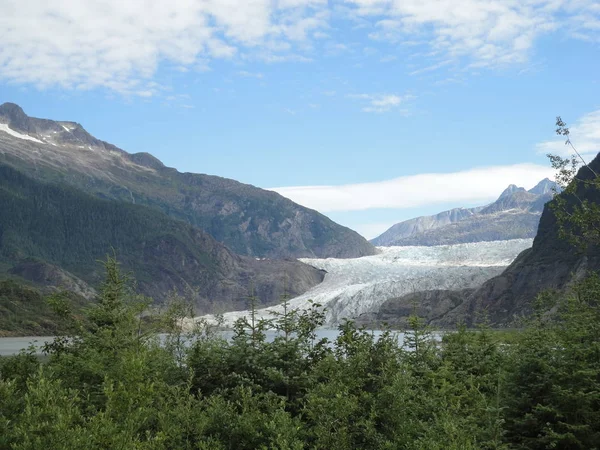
(552, 263)
(249, 220)
(55, 234)
(419, 225)
(514, 215)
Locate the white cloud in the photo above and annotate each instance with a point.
(246, 74)
(380, 103)
(486, 32)
(479, 184)
(388, 58)
(432, 67)
(119, 44)
(585, 136)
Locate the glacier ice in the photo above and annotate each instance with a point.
(355, 286)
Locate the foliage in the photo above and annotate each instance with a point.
(577, 209)
(114, 382)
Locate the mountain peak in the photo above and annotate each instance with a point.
(545, 186)
(511, 189)
(47, 131)
(9, 109)
(15, 116)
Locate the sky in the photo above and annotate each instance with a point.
(369, 111)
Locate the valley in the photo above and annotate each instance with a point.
(69, 199)
(352, 287)
(300, 225)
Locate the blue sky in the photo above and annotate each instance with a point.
(340, 105)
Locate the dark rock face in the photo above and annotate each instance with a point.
(431, 306)
(515, 215)
(249, 220)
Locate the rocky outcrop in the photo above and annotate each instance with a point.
(431, 306)
(51, 278)
(411, 228)
(249, 220)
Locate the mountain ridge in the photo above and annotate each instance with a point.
(514, 215)
(249, 220)
(52, 232)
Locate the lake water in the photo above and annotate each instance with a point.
(13, 345)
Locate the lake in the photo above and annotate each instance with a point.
(13, 345)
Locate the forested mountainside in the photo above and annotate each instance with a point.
(249, 220)
(60, 226)
(514, 215)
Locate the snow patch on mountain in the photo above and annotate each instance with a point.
(4, 127)
(355, 286)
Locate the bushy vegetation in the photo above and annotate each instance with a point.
(114, 382)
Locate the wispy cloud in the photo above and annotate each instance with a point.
(246, 74)
(479, 184)
(119, 45)
(381, 103)
(388, 58)
(432, 67)
(485, 32)
(585, 136)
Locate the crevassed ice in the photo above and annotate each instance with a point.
(355, 286)
(4, 127)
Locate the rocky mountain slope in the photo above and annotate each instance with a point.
(249, 220)
(551, 263)
(54, 234)
(515, 215)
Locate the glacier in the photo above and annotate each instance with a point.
(355, 286)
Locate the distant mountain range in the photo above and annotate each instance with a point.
(514, 215)
(249, 220)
